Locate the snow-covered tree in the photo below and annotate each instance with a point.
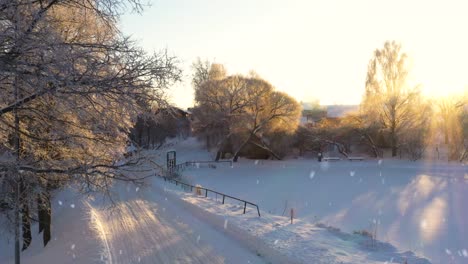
(71, 84)
(242, 109)
(389, 99)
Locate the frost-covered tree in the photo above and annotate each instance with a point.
(237, 110)
(389, 99)
(451, 118)
(71, 87)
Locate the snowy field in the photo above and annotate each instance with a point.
(416, 206)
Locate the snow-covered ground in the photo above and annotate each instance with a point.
(144, 227)
(417, 206)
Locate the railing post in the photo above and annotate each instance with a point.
(258, 210)
(245, 206)
(206, 192)
(224, 196)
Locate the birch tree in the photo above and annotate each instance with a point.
(389, 100)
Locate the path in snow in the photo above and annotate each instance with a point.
(151, 228)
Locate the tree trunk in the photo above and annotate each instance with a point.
(47, 217)
(26, 221)
(17, 224)
(236, 155)
(40, 212)
(265, 147)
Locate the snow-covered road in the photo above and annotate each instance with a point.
(152, 228)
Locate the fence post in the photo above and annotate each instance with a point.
(206, 192)
(245, 206)
(224, 196)
(258, 210)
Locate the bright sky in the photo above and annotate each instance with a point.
(312, 49)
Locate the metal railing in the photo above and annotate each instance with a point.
(209, 190)
(182, 166)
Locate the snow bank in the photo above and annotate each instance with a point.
(281, 242)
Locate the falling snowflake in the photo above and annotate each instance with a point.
(120, 252)
(73, 256)
(465, 253)
(165, 198)
(312, 174)
(383, 181)
(424, 224)
(164, 209)
(197, 165)
(276, 241)
(256, 162)
(137, 189)
(60, 202)
(225, 223)
(72, 247)
(351, 173)
(380, 162)
(72, 205)
(258, 181)
(380, 174)
(198, 238)
(448, 251)
(139, 259)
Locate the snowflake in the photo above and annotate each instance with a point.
(137, 189)
(465, 253)
(424, 224)
(256, 162)
(60, 202)
(72, 247)
(383, 181)
(198, 238)
(351, 173)
(72, 205)
(197, 165)
(258, 181)
(276, 241)
(380, 162)
(312, 174)
(225, 223)
(448, 251)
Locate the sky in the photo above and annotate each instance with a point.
(313, 50)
